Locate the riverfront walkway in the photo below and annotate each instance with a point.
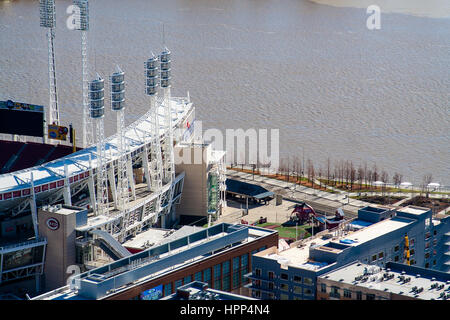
(321, 201)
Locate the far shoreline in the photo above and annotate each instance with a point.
(437, 9)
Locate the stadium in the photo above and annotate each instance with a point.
(115, 187)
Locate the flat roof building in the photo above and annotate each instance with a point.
(376, 237)
(220, 256)
(359, 281)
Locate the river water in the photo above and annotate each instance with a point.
(314, 71)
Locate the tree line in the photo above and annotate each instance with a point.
(339, 173)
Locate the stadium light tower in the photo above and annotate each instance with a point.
(169, 172)
(47, 20)
(97, 112)
(82, 24)
(156, 167)
(118, 106)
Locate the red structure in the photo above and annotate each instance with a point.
(303, 212)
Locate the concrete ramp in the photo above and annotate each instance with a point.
(110, 245)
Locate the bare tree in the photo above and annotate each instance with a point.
(397, 179)
(311, 173)
(427, 178)
(369, 178)
(384, 177)
(336, 173)
(352, 174)
(328, 170)
(298, 167)
(320, 176)
(375, 173)
(365, 173)
(288, 163)
(360, 174)
(346, 173)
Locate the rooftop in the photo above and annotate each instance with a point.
(199, 291)
(152, 236)
(396, 278)
(375, 230)
(414, 210)
(156, 261)
(298, 255)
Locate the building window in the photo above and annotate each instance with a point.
(307, 281)
(396, 248)
(381, 255)
(271, 296)
(358, 295)
(257, 294)
(217, 271)
(284, 276)
(370, 296)
(427, 255)
(427, 265)
(297, 279)
(207, 276)
(412, 242)
(284, 296)
(235, 264)
(434, 262)
(284, 287)
(413, 261)
(167, 289)
(334, 293)
(257, 283)
(235, 280)
(412, 252)
(347, 294)
(396, 258)
(434, 232)
(187, 279)
(178, 283)
(374, 257)
(323, 287)
(244, 267)
(271, 275)
(297, 290)
(258, 272)
(198, 276)
(270, 285)
(427, 235)
(226, 283)
(217, 282)
(226, 267)
(427, 244)
(307, 292)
